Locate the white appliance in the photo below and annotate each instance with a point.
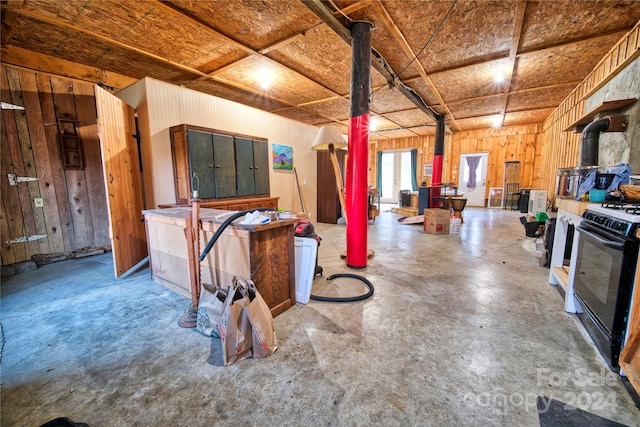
(305, 254)
(537, 202)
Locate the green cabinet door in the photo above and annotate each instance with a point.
(245, 176)
(224, 165)
(261, 166)
(200, 145)
(252, 166)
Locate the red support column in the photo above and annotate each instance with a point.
(357, 186)
(438, 150)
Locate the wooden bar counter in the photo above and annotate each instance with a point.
(263, 253)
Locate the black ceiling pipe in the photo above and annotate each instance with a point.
(589, 141)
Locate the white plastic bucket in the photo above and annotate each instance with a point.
(306, 250)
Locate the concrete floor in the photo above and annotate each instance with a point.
(463, 329)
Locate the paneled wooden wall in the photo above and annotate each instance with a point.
(506, 144)
(561, 148)
(75, 215)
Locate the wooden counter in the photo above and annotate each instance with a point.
(573, 206)
(263, 253)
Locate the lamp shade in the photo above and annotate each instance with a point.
(328, 135)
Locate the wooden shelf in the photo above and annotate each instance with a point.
(562, 275)
(605, 106)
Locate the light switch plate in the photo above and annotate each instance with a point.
(38, 202)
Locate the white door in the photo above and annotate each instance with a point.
(473, 178)
(396, 175)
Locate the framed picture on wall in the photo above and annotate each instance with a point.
(495, 197)
(282, 156)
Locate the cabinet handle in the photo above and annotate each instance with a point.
(210, 165)
(218, 166)
(256, 167)
(250, 167)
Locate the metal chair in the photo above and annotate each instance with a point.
(512, 196)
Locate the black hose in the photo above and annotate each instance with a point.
(224, 225)
(346, 299)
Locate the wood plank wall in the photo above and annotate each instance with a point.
(561, 148)
(74, 216)
(506, 144)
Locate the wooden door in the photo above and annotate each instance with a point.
(225, 165)
(200, 146)
(116, 130)
(244, 163)
(261, 166)
(328, 201)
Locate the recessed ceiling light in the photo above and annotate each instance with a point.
(497, 122)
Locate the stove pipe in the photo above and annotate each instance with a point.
(589, 139)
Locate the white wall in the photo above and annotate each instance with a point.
(161, 105)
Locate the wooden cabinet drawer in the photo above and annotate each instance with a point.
(268, 203)
(238, 207)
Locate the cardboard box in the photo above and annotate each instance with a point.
(454, 225)
(436, 221)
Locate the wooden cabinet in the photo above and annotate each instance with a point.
(219, 164)
(328, 201)
(262, 253)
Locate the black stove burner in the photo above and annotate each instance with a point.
(613, 205)
(632, 208)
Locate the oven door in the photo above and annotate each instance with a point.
(605, 269)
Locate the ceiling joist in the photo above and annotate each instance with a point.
(521, 5)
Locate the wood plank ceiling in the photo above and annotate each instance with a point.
(225, 48)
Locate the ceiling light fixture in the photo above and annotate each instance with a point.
(499, 78)
(373, 124)
(265, 78)
(497, 121)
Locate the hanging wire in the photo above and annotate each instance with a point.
(337, 9)
(396, 76)
(430, 38)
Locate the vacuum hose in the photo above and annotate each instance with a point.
(224, 225)
(346, 299)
